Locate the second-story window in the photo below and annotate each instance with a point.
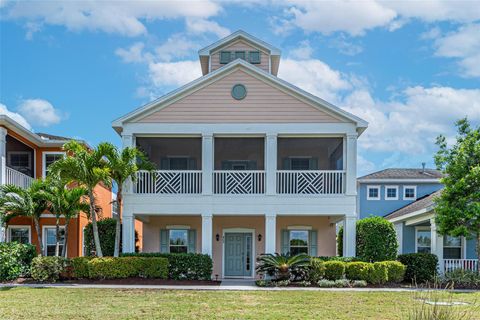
(254, 57)
(240, 55)
(409, 193)
(373, 193)
(391, 192)
(49, 158)
(225, 57)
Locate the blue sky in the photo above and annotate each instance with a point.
(409, 68)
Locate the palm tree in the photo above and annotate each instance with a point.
(30, 202)
(281, 266)
(123, 166)
(87, 168)
(67, 202)
(5, 216)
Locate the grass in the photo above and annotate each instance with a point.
(62, 303)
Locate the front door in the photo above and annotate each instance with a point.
(238, 254)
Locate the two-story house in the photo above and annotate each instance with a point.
(406, 198)
(25, 156)
(246, 162)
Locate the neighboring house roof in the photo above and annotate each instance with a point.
(52, 137)
(407, 174)
(421, 205)
(261, 74)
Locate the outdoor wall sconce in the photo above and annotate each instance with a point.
(259, 237)
(217, 237)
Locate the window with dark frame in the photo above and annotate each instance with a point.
(178, 241)
(452, 247)
(19, 234)
(225, 57)
(254, 57)
(373, 192)
(51, 240)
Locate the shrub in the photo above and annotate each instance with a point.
(183, 266)
(358, 270)
(420, 267)
(15, 260)
(342, 283)
(337, 258)
(326, 283)
(359, 283)
(283, 266)
(340, 242)
(106, 232)
(126, 267)
(376, 240)
(378, 273)
(316, 270)
(464, 278)
(334, 270)
(79, 267)
(48, 268)
(395, 270)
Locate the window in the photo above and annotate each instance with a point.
(373, 193)
(423, 240)
(20, 234)
(254, 57)
(240, 55)
(225, 57)
(49, 158)
(178, 241)
(409, 193)
(178, 163)
(391, 192)
(452, 247)
(298, 242)
(300, 163)
(19, 160)
(50, 240)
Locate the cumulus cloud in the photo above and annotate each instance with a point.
(464, 45)
(168, 74)
(133, 54)
(121, 17)
(39, 112)
(303, 51)
(15, 116)
(201, 26)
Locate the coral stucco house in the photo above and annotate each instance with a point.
(246, 164)
(24, 156)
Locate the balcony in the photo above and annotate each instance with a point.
(310, 182)
(239, 182)
(169, 182)
(17, 178)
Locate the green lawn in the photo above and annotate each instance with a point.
(55, 303)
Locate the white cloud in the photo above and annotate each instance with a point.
(201, 26)
(177, 46)
(169, 74)
(303, 51)
(39, 112)
(134, 54)
(15, 116)
(121, 17)
(463, 44)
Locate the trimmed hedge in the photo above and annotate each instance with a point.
(378, 274)
(421, 267)
(396, 271)
(376, 240)
(317, 270)
(106, 232)
(375, 273)
(15, 260)
(117, 268)
(48, 268)
(334, 270)
(183, 266)
(357, 270)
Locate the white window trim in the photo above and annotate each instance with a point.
(416, 237)
(368, 192)
(308, 237)
(410, 187)
(44, 157)
(396, 193)
(19, 226)
(44, 238)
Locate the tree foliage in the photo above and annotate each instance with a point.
(458, 206)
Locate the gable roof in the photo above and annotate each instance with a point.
(239, 34)
(424, 203)
(239, 63)
(402, 174)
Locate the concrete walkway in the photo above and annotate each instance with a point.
(229, 286)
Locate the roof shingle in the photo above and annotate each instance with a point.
(419, 204)
(403, 173)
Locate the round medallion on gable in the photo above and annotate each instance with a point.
(239, 91)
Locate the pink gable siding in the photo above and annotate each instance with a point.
(263, 104)
(240, 46)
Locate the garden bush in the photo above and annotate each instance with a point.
(183, 266)
(316, 270)
(15, 260)
(376, 240)
(126, 267)
(420, 267)
(334, 270)
(358, 270)
(106, 232)
(395, 270)
(79, 267)
(337, 258)
(462, 278)
(378, 274)
(48, 268)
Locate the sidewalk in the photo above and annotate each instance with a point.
(228, 286)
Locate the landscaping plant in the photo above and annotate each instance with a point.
(334, 270)
(48, 268)
(420, 267)
(106, 233)
(281, 266)
(15, 260)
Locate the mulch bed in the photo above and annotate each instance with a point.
(130, 281)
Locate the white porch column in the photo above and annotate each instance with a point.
(128, 141)
(271, 163)
(207, 234)
(399, 232)
(3, 164)
(128, 232)
(436, 244)
(207, 163)
(349, 236)
(351, 165)
(270, 232)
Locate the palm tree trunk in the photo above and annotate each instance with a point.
(65, 243)
(57, 236)
(117, 226)
(93, 214)
(36, 223)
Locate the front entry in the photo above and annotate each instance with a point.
(238, 254)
